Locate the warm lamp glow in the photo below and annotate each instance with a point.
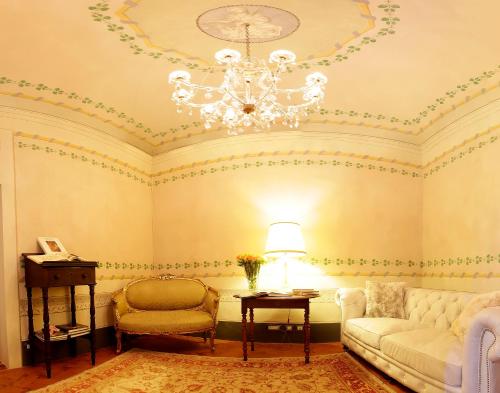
(284, 238)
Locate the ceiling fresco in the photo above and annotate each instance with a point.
(394, 66)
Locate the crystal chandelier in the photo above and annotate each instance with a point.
(249, 94)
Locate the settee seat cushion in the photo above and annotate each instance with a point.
(173, 294)
(176, 321)
(371, 330)
(433, 352)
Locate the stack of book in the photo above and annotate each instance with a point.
(306, 292)
(55, 336)
(74, 331)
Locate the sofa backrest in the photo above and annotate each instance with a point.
(165, 294)
(433, 307)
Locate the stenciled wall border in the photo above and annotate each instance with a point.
(72, 151)
(61, 304)
(195, 128)
(261, 159)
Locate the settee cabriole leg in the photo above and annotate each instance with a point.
(118, 341)
(212, 340)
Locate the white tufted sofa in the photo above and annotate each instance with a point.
(420, 351)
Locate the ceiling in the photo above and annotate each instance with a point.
(393, 66)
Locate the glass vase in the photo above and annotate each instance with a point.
(252, 283)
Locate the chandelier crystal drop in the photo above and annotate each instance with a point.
(249, 95)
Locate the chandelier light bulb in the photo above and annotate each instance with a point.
(228, 56)
(282, 56)
(179, 76)
(316, 78)
(181, 96)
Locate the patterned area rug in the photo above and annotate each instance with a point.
(140, 371)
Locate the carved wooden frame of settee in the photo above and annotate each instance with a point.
(210, 304)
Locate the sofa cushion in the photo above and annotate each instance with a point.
(171, 294)
(385, 299)
(371, 330)
(433, 352)
(178, 321)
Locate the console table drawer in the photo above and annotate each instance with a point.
(71, 276)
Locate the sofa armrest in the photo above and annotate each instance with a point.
(481, 360)
(211, 302)
(352, 302)
(120, 305)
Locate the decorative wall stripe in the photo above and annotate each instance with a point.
(378, 164)
(77, 152)
(61, 304)
(146, 134)
(429, 110)
(463, 153)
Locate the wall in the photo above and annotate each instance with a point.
(90, 191)
(358, 205)
(9, 304)
(461, 210)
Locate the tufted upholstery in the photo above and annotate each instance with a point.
(429, 358)
(434, 308)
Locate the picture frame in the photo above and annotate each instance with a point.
(51, 246)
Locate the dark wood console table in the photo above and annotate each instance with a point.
(58, 274)
(274, 302)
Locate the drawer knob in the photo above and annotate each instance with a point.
(57, 276)
(84, 275)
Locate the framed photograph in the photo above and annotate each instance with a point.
(51, 245)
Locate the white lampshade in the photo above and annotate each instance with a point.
(284, 238)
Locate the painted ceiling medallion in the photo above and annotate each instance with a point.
(266, 23)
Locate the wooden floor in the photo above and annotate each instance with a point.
(28, 378)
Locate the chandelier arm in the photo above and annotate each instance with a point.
(302, 89)
(203, 87)
(196, 105)
(234, 97)
(297, 106)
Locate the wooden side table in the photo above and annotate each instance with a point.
(58, 274)
(273, 302)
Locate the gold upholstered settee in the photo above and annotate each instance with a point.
(165, 305)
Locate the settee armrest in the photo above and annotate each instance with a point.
(481, 359)
(352, 302)
(211, 302)
(120, 305)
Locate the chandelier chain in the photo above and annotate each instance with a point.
(247, 39)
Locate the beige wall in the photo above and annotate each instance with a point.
(360, 214)
(90, 191)
(10, 353)
(367, 206)
(461, 210)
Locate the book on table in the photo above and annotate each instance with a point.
(74, 330)
(55, 336)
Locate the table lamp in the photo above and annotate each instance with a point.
(284, 241)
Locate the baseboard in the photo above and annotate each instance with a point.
(226, 330)
(320, 332)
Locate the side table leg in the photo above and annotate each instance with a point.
(92, 324)
(307, 332)
(72, 342)
(46, 331)
(244, 331)
(31, 329)
(251, 330)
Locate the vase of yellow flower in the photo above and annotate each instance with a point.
(251, 264)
